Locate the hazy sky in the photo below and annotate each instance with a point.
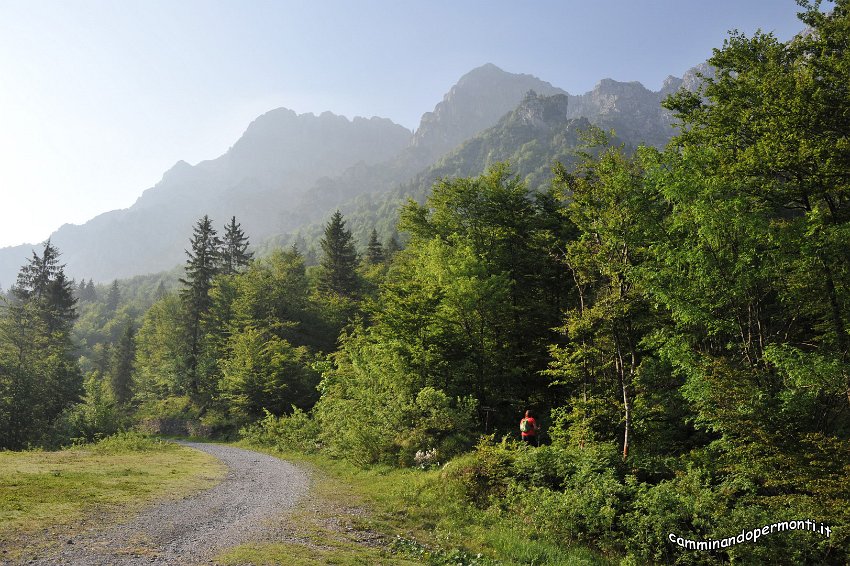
(99, 98)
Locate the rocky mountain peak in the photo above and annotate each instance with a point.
(542, 111)
(476, 102)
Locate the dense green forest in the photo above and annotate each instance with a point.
(677, 318)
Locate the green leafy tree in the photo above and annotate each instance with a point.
(264, 372)
(514, 234)
(162, 352)
(616, 213)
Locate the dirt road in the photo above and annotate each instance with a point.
(257, 488)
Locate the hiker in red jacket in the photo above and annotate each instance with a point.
(528, 428)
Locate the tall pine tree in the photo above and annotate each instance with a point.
(374, 250)
(201, 267)
(39, 376)
(234, 248)
(338, 273)
(42, 283)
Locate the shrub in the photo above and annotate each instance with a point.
(130, 442)
(441, 429)
(587, 508)
(484, 475)
(296, 431)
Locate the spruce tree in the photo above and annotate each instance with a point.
(161, 291)
(42, 283)
(234, 248)
(113, 298)
(122, 366)
(91, 292)
(392, 248)
(374, 250)
(339, 260)
(201, 267)
(39, 376)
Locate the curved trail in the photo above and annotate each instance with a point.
(193, 530)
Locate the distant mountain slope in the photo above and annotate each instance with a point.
(280, 155)
(290, 171)
(531, 138)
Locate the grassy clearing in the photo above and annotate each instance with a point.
(393, 516)
(66, 490)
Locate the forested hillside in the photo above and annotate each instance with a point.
(676, 317)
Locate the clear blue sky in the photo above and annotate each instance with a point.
(99, 98)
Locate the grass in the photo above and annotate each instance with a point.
(50, 493)
(398, 516)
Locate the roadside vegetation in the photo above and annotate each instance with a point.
(391, 515)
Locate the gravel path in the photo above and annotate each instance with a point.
(191, 531)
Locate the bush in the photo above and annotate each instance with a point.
(587, 507)
(441, 429)
(296, 431)
(130, 442)
(546, 466)
(484, 475)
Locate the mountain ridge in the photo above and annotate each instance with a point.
(289, 169)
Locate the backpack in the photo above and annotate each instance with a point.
(525, 426)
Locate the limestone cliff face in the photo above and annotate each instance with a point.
(542, 112)
(478, 100)
(629, 108)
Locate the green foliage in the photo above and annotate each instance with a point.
(131, 442)
(263, 372)
(339, 260)
(294, 431)
(234, 248)
(162, 351)
(96, 416)
(484, 475)
(371, 411)
(39, 377)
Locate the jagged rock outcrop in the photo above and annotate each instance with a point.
(478, 100)
(542, 111)
(629, 108)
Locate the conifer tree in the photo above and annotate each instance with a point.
(122, 366)
(42, 283)
(339, 259)
(113, 298)
(392, 248)
(374, 250)
(39, 376)
(91, 292)
(81, 291)
(160, 290)
(234, 248)
(201, 267)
